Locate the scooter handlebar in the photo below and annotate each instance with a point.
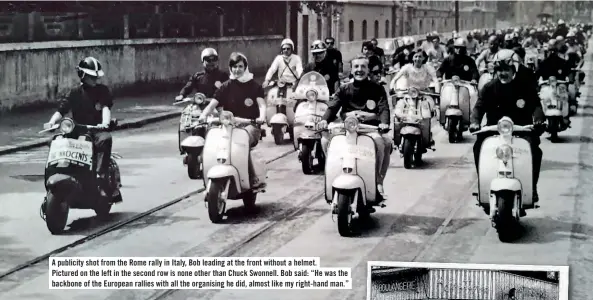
(183, 101)
(494, 128)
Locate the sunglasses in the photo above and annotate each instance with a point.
(211, 59)
(329, 42)
(286, 49)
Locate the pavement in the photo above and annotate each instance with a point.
(430, 216)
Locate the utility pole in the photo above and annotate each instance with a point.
(457, 15)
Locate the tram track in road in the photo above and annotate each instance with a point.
(113, 227)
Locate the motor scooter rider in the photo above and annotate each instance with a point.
(90, 104)
(287, 65)
(507, 96)
(206, 81)
(561, 29)
(554, 64)
(334, 54)
(323, 65)
(459, 64)
(403, 55)
(377, 50)
(366, 95)
(375, 63)
(530, 40)
(488, 54)
(508, 41)
(473, 47)
(243, 97)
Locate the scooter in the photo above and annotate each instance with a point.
(505, 176)
(191, 134)
(554, 96)
(411, 133)
(573, 92)
(280, 111)
(456, 106)
(350, 176)
(70, 176)
(226, 164)
(313, 89)
(487, 75)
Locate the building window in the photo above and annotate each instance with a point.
(364, 30)
(446, 25)
(351, 31)
(420, 27)
(376, 29)
(386, 28)
(433, 25)
(319, 26)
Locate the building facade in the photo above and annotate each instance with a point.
(457, 284)
(355, 21)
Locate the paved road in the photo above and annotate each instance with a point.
(431, 216)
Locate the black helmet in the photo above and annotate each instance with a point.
(90, 66)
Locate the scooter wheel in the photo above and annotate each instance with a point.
(56, 213)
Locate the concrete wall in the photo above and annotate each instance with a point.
(37, 73)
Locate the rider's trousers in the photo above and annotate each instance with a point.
(536, 151)
(103, 143)
(254, 136)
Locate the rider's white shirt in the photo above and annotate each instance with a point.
(281, 66)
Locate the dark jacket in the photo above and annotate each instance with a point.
(204, 82)
(513, 100)
(86, 103)
(553, 65)
(459, 65)
(365, 96)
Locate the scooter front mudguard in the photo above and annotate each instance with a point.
(505, 184)
(192, 142)
(279, 119)
(410, 130)
(63, 185)
(226, 171)
(551, 112)
(453, 112)
(349, 182)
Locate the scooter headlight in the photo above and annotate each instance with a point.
(504, 152)
(351, 124)
(413, 93)
(456, 80)
(552, 80)
(505, 127)
(311, 95)
(199, 98)
(226, 118)
(66, 126)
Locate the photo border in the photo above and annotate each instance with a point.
(562, 283)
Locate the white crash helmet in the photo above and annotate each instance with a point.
(409, 41)
(570, 34)
(508, 37)
(507, 56)
(287, 42)
(318, 46)
(90, 66)
(460, 42)
(560, 22)
(208, 52)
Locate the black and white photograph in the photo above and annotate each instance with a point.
(435, 281)
(344, 130)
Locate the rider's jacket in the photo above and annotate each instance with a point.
(363, 95)
(513, 100)
(459, 65)
(434, 51)
(526, 77)
(326, 67)
(204, 82)
(289, 69)
(561, 31)
(86, 103)
(334, 55)
(486, 56)
(240, 98)
(553, 65)
(402, 58)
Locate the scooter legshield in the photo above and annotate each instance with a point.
(521, 166)
(364, 168)
(232, 144)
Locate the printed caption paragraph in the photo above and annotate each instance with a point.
(195, 273)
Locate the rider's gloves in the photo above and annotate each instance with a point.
(48, 125)
(265, 84)
(539, 127)
(102, 126)
(474, 127)
(474, 81)
(322, 124)
(179, 98)
(260, 120)
(383, 126)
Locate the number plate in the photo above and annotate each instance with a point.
(358, 152)
(77, 151)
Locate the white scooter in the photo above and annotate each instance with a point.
(505, 176)
(350, 176)
(226, 165)
(313, 89)
(554, 97)
(280, 111)
(456, 105)
(192, 133)
(487, 76)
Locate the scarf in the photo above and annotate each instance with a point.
(246, 75)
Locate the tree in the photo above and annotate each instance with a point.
(323, 8)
